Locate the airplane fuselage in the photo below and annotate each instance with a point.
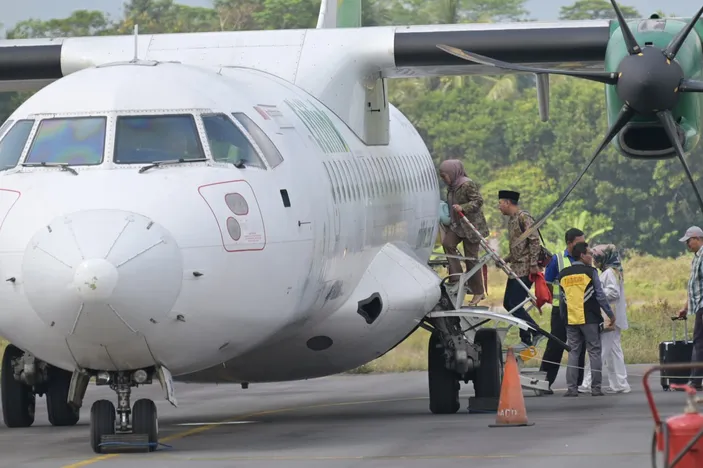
(194, 264)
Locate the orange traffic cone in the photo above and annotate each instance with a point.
(511, 407)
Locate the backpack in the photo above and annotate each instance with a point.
(544, 256)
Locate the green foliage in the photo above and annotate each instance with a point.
(595, 9)
(489, 122)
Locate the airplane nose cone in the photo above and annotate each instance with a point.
(95, 279)
(102, 276)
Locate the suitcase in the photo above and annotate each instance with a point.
(675, 352)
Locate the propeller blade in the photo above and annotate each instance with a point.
(673, 48)
(632, 47)
(626, 113)
(667, 120)
(691, 86)
(601, 77)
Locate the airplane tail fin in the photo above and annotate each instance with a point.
(339, 14)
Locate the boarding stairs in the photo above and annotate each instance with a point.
(474, 317)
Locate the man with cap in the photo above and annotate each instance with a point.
(694, 306)
(522, 258)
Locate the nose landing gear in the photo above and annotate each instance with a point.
(124, 429)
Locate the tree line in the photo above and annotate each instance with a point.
(490, 122)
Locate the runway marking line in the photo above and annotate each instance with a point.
(198, 430)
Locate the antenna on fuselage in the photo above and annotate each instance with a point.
(136, 43)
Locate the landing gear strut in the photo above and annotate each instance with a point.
(123, 428)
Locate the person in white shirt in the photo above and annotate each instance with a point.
(607, 260)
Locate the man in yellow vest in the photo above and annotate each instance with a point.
(553, 353)
(581, 300)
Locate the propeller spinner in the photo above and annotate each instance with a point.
(649, 81)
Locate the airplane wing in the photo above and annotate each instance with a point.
(564, 44)
(394, 51)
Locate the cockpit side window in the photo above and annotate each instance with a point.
(271, 153)
(12, 144)
(5, 126)
(228, 143)
(148, 139)
(76, 141)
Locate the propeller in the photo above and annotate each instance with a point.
(649, 81)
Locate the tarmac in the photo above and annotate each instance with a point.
(355, 421)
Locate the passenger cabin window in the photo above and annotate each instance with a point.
(78, 141)
(12, 144)
(228, 143)
(148, 139)
(271, 153)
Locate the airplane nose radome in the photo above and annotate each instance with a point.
(102, 275)
(95, 279)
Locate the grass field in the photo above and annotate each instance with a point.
(655, 289)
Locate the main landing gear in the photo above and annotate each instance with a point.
(453, 356)
(24, 377)
(124, 428)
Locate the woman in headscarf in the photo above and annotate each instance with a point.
(607, 259)
(463, 194)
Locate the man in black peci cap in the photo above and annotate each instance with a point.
(523, 257)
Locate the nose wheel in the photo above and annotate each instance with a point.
(123, 429)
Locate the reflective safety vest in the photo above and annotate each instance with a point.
(562, 262)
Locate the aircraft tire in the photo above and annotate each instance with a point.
(489, 375)
(18, 399)
(443, 383)
(102, 422)
(145, 421)
(60, 412)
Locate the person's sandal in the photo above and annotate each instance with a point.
(476, 299)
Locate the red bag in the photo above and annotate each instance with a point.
(542, 293)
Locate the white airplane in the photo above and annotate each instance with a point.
(232, 207)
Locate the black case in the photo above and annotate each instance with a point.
(675, 352)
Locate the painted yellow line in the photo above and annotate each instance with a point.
(198, 430)
(410, 457)
(90, 461)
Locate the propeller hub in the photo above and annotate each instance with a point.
(649, 82)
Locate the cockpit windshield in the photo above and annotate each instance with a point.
(12, 144)
(148, 139)
(70, 140)
(228, 143)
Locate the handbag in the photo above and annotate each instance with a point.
(542, 292)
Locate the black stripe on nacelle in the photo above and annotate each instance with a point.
(29, 62)
(549, 45)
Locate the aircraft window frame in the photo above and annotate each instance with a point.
(254, 148)
(6, 133)
(344, 188)
(373, 190)
(417, 173)
(363, 181)
(5, 127)
(403, 181)
(391, 179)
(267, 148)
(153, 116)
(337, 182)
(37, 133)
(381, 176)
(329, 176)
(356, 193)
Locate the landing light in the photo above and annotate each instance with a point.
(140, 376)
(102, 378)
